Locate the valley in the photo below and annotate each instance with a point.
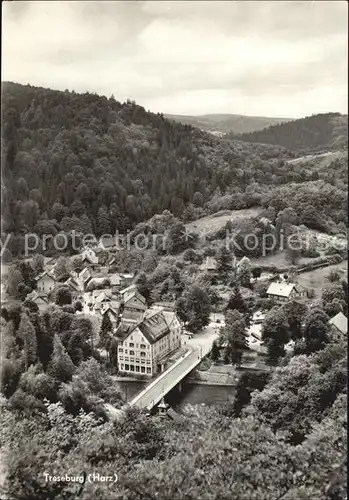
(148, 337)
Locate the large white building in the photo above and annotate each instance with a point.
(146, 345)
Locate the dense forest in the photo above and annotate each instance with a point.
(88, 163)
(328, 130)
(283, 437)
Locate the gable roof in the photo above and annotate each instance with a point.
(128, 289)
(209, 264)
(112, 307)
(299, 288)
(45, 273)
(170, 316)
(73, 283)
(99, 280)
(166, 306)
(340, 321)
(49, 261)
(244, 259)
(115, 279)
(40, 297)
(87, 257)
(154, 328)
(96, 294)
(127, 276)
(85, 272)
(134, 294)
(34, 295)
(125, 329)
(281, 289)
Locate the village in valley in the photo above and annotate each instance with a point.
(174, 236)
(139, 337)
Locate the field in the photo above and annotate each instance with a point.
(214, 222)
(322, 160)
(316, 279)
(278, 259)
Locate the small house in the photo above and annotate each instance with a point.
(209, 265)
(41, 301)
(134, 306)
(282, 291)
(45, 283)
(113, 310)
(89, 256)
(340, 323)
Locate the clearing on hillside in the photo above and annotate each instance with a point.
(316, 279)
(216, 221)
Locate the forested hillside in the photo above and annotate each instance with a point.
(89, 163)
(329, 130)
(87, 156)
(227, 123)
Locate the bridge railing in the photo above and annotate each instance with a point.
(157, 380)
(173, 384)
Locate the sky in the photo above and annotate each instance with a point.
(263, 58)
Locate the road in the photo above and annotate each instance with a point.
(200, 345)
(203, 340)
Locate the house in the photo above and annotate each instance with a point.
(113, 311)
(98, 281)
(45, 282)
(115, 281)
(282, 291)
(75, 287)
(145, 345)
(340, 323)
(113, 262)
(84, 277)
(209, 266)
(175, 328)
(126, 279)
(89, 256)
(128, 289)
(49, 264)
(172, 321)
(134, 306)
(243, 260)
(166, 306)
(258, 317)
(97, 300)
(41, 301)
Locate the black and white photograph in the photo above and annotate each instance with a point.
(174, 268)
